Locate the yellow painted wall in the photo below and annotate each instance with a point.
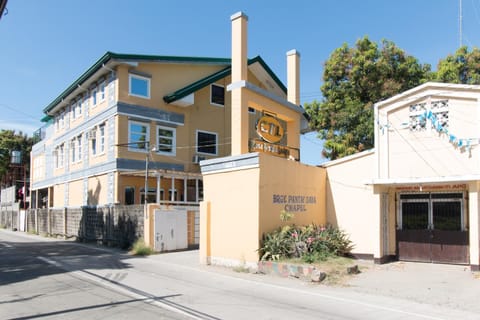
(75, 191)
(234, 209)
(293, 187)
(97, 189)
(234, 216)
(350, 204)
(59, 195)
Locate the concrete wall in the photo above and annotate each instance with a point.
(350, 204)
(244, 196)
(117, 225)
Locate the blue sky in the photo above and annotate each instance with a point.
(46, 45)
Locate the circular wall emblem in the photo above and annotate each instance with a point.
(269, 129)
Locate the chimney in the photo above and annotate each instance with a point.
(239, 116)
(239, 46)
(293, 77)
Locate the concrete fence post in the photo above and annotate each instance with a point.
(36, 221)
(65, 223)
(49, 221)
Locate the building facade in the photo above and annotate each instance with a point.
(136, 126)
(415, 196)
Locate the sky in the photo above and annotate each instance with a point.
(46, 45)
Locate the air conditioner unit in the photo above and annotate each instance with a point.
(92, 134)
(197, 159)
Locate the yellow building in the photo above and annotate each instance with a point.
(131, 114)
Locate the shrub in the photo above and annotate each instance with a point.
(311, 243)
(141, 249)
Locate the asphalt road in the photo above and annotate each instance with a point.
(49, 279)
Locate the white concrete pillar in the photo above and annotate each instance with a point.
(239, 116)
(474, 225)
(293, 77)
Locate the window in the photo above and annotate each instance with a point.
(73, 107)
(206, 142)
(102, 91)
(166, 141)
(129, 195)
(436, 114)
(138, 136)
(62, 120)
(79, 107)
(94, 97)
(151, 195)
(175, 195)
(432, 211)
(79, 148)
(92, 135)
(139, 86)
(74, 151)
(111, 91)
(85, 102)
(217, 95)
(59, 156)
(101, 145)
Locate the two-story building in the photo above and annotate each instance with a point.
(135, 126)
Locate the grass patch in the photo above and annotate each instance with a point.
(141, 249)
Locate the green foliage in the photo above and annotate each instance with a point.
(311, 243)
(354, 79)
(461, 67)
(140, 249)
(286, 216)
(9, 141)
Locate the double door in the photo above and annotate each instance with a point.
(431, 228)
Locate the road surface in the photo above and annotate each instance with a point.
(43, 278)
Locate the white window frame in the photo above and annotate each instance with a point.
(101, 91)
(147, 136)
(94, 97)
(94, 145)
(60, 149)
(73, 149)
(173, 138)
(79, 148)
(101, 132)
(130, 93)
(211, 95)
(198, 146)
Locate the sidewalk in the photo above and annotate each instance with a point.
(452, 286)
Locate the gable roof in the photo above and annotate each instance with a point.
(111, 57)
(197, 85)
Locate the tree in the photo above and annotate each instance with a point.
(462, 67)
(354, 79)
(9, 141)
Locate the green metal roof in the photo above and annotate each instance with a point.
(170, 59)
(197, 85)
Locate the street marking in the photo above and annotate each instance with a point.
(6, 245)
(50, 261)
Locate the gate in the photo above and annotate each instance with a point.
(431, 228)
(176, 228)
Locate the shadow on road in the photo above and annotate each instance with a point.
(23, 261)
